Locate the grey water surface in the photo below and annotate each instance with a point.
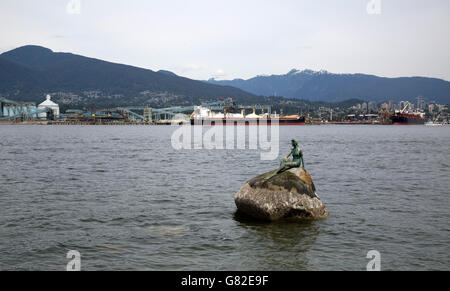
(126, 200)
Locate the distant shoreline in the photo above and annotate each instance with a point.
(153, 124)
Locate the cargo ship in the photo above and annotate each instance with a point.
(205, 116)
(415, 118)
(404, 117)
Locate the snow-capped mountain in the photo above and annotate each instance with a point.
(325, 86)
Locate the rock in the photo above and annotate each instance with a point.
(289, 195)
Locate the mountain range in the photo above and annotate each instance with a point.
(28, 73)
(325, 86)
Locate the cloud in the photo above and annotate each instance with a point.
(203, 38)
(219, 74)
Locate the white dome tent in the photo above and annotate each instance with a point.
(48, 103)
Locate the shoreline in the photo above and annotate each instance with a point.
(165, 124)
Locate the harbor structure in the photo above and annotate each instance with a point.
(52, 106)
(224, 111)
(11, 110)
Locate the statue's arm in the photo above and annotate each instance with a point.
(288, 155)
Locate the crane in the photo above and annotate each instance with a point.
(404, 108)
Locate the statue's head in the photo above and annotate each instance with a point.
(294, 143)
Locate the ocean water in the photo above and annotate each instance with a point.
(126, 200)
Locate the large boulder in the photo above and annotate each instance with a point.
(289, 195)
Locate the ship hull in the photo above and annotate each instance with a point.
(224, 121)
(406, 120)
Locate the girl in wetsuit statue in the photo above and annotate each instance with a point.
(297, 159)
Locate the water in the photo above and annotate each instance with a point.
(126, 200)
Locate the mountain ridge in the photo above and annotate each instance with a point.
(28, 73)
(325, 86)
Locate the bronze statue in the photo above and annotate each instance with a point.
(297, 159)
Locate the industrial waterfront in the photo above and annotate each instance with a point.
(224, 111)
(126, 200)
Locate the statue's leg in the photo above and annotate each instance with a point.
(293, 164)
(287, 166)
(284, 165)
(281, 169)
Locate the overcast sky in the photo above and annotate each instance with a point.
(241, 38)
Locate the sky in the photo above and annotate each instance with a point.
(231, 39)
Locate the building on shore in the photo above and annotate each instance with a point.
(49, 104)
(14, 110)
